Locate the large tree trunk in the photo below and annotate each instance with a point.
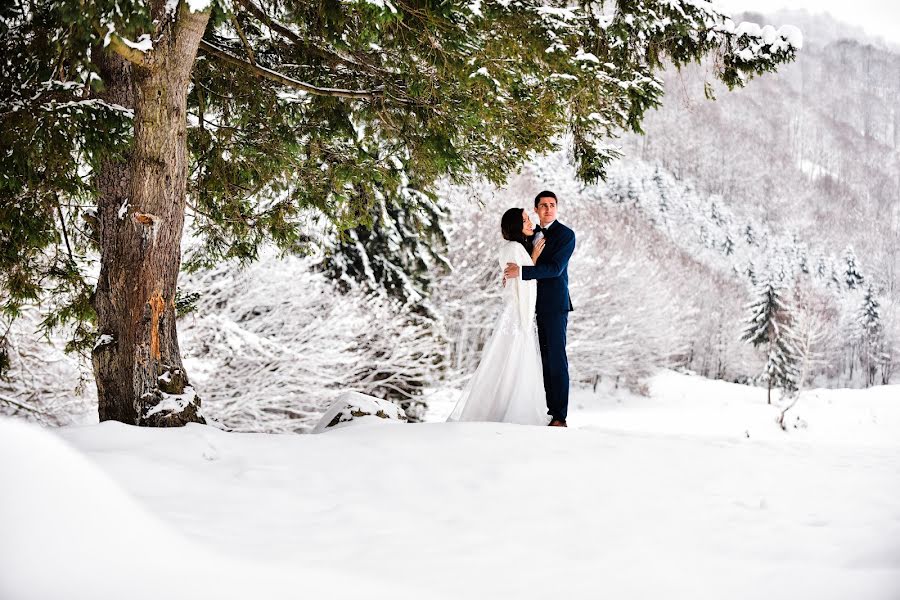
(137, 364)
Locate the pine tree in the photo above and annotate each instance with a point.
(834, 279)
(118, 117)
(781, 272)
(767, 328)
(398, 254)
(750, 235)
(801, 252)
(821, 268)
(663, 193)
(808, 334)
(751, 273)
(728, 245)
(872, 338)
(714, 214)
(852, 277)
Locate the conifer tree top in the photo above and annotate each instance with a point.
(331, 107)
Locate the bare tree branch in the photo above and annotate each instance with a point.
(22, 405)
(130, 54)
(240, 32)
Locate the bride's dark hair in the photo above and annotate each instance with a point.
(511, 227)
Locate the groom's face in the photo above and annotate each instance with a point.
(546, 209)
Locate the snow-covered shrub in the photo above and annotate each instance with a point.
(39, 381)
(272, 345)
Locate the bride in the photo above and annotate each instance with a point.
(508, 384)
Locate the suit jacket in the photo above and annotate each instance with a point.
(551, 270)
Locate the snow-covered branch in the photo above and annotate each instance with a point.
(277, 77)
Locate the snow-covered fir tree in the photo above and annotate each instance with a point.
(750, 271)
(872, 340)
(767, 329)
(853, 279)
(750, 235)
(399, 252)
(728, 246)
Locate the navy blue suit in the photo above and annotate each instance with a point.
(553, 306)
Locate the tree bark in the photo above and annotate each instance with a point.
(137, 363)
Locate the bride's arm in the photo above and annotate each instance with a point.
(505, 256)
(526, 292)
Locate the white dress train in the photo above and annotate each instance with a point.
(508, 385)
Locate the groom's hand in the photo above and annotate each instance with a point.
(511, 271)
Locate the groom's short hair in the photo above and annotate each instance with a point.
(544, 194)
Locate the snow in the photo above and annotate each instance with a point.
(604, 21)
(91, 103)
(815, 170)
(173, 403)
(198, 5)
(663, 496)
(380, 4)
(143, 43)
(566, 14)
(792, 35)
(110, 30)
(103, 340)
(71, 531)
(746, 54)
(353, 408)
(581, 55)
(747, 28)
(297, 96)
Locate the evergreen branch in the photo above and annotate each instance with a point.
(240, 32)
(271, 75)
(334, 55)
(62, 223)
(196, 210)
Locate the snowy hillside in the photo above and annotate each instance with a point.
(658, 497)
(811, 153)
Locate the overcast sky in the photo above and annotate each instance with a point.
(877, 17)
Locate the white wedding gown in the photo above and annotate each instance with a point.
(508, 385)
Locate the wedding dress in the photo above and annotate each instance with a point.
(508, 384)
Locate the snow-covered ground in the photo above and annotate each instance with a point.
(692, 492)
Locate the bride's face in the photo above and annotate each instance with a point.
(527, 226)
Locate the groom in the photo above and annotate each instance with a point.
(553, 303)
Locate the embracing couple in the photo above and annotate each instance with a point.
(523, 378)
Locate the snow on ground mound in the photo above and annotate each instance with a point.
(682, 404)
(354, 408)
(658, 497)
(69, 531)
(688, 405)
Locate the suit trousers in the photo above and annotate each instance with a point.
(552, 340)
